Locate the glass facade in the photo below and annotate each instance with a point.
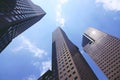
(16, 18)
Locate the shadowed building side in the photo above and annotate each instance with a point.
(46, 76)
(7, 5)
(104, 49)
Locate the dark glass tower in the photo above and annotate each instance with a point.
(104, 49)
(46, 76)
(67, 61)
(15, 17)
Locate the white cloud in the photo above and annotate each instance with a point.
(112, 5)
(31, 77)
(46, 65)
(59, 17)
(26, 44)
(36, 64)
(42, 66)
(63, 1)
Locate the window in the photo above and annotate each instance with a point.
(68, 57)
(74, 72)
(13, 18)
(60, 68)
(67, 54)
(70, 64)
(9, 20)
(65, 59)
(66, 63)
(69, 60)
(76, 78)
(66, 78)
(72, 68)
(17, 17)
(60, 72)
(61, 77)
(70, 75)
(67, 66)
(68, 71)
(18, 11)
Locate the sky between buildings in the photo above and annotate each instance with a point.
(29, 55)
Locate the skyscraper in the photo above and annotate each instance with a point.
(104, 49)
(15, 17)
(67, 61)
(46, 76)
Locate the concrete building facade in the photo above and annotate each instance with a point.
(104, 49)
(67, 62)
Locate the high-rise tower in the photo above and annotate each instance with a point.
(67, 61)
(104, 49)
(15, 17)
(46, 76)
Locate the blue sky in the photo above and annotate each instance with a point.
(29, 55)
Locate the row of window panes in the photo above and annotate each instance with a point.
(67, 67)
(60, 57)
(28, 7)
(75, 78)
(107, 68)
(23, 3)
(60, 61)
(108, 58)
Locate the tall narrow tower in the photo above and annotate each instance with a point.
(104, 49)
(67, 61)
(15, 17)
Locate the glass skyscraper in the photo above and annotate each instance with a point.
(15, 17)
(104, 49)
(67, 61)
(46, 76)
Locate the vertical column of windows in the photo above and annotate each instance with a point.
(67, 70)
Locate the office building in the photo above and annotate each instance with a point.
(104, 49)
(46, 76)
(15, 17)
(67, 61)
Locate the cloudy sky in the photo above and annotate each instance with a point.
(29, 55)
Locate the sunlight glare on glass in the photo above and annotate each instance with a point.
(93, 32)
